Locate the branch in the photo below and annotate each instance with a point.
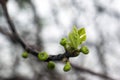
(26, 47)
(8, 34)
(91, 72)
(35, 52)
(11, 25)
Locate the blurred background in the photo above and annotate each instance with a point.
(44, 22)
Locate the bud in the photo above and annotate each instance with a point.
(42, 56)
(84, 50)
(63, 41)
(51, 65)
(67, 67)
(25, 54)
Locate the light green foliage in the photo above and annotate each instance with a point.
(51, 65)
(67, 67)
(24, 54)
(84, 50)
(71, 45)
(82, 34)
(76, 37)
(43, 56)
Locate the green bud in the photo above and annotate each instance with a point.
(84, 50)
(25, 54)
(42, 56)
(63, 41)
(67, 67)
(51, 65)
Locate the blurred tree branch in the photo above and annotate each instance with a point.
(91, 72)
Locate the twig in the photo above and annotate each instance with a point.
(91, 72)
(12, 26)
(29, 49)
(8, 34)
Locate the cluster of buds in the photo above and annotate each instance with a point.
(71, 45)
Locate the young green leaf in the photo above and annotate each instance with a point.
(74, 38)
(42, 56)
(82, 35)
(67, 67)
(25, 54)
(81, 31)
(51, 65)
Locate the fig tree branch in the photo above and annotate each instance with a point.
(15, 37)
(25, 46)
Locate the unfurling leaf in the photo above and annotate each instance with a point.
(81, 31)
(82, 35)
(74, 38)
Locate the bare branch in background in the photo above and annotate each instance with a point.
(78, 68)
